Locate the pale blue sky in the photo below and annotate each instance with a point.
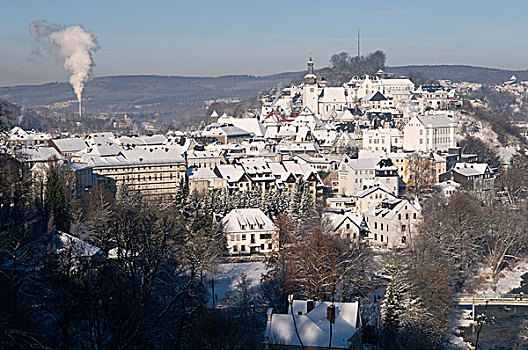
(262, 37)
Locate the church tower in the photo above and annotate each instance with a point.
(310, 91)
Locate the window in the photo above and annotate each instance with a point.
(243, 237)
(404, 239)
(399, 216)
(381, 238)
(375, 236)
(375, 225)
(403, 228)
(232, 237)
(235, 248)
(348, 226)
(382, 226)
(414, 216)
(270, 246)
(242, 248)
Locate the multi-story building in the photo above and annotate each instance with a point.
(387, 140)
(154, 171)
(429, 133)
(363, 173)
(392, 222)
(249, 231)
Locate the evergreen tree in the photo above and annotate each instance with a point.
(56, 202)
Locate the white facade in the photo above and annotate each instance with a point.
(249, 231)
(429, 133)
(360, 174)
(392, 223)
(382, 139)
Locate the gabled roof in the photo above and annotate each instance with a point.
(337, 220)
(313, 327)
(388, 208)
(240, 220)
(471, 169)
(230, 172)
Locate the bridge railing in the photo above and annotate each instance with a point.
(491, 297)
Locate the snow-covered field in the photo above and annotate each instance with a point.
(229, 274)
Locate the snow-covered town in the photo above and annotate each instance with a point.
(264, 176)
(357, 160)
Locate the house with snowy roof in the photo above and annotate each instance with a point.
(346, 224)
(391, 222)
(249, 231)
(68, 146)
(226, 133)
(204, 180)
(19, 137)
(315, 325)
(478, 177)
(251, 125)
(430, 133)
(236, 177)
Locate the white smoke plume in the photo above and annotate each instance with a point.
(74, 45)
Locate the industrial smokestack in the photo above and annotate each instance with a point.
(74, 45)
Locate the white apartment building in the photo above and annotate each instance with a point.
(429, 133)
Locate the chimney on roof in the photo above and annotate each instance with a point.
(330, 313)
(270, 314)
(309, 305)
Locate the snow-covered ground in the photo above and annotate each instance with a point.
(229, 274)
(508, 279)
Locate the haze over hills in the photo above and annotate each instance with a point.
(149, 94)
(459, 73)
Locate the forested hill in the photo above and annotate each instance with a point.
(144, 93)
(458, 73)
(185, 96)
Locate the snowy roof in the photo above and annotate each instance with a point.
(333, 94)
(202, 154)
(313, 327)
(202, 174)
(248, 219)
(446, 184)
(336, 220)
(150, 155)
(250, 125)
(71, 144)
(230, 172)
(388, 208)
(368, 191)
(369, 163)
(471, 169)
(79, 247)
(38, 154)
(435, 120)
(224, 130)
(375, 96)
